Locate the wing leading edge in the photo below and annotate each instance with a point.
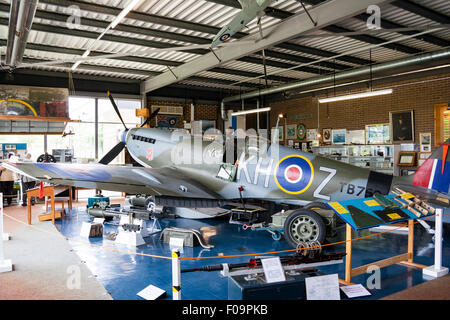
(159, 182)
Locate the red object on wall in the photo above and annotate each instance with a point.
(42, 109)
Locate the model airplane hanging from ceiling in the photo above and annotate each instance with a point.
(250, 10)
(273, 173)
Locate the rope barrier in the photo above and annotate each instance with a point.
(213, 257)
(87, 242)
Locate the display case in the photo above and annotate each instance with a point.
(379, 157)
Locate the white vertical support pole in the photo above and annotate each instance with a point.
(4, 236)
(437, 270)
(176, 275)
(5, 265)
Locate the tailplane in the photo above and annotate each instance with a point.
(434, 173)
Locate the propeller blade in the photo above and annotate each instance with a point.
(116, 108)
(154, 114)
(113, 153)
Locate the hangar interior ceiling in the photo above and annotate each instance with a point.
(344, 45)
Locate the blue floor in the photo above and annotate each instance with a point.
(124, 275)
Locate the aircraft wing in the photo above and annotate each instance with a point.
(372, 212)
(159, 182)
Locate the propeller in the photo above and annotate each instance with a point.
(154, 114)
(117, 149)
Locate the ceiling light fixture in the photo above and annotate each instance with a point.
(240, 113)
(357, 96)
(112, 25)
(124, 12)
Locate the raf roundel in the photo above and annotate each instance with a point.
(294, 174)
(224, 37)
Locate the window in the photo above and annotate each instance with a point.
(442, 122)
(110, 127)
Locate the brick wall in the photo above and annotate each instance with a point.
(202, 112)
(355, 114)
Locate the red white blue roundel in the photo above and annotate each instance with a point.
(224, 37)
(294, 174)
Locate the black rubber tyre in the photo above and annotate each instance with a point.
(304, 225)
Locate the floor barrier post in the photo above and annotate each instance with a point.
(176, 274)
(437, 270)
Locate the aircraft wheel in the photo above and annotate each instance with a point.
(304, 225)
(150, 205)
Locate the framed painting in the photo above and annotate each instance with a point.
(291, 131)
(338, 136)
(402, 126)
(326, 134)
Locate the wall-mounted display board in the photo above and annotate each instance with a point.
(378, 133)
(34, 101)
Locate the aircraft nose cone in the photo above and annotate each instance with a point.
(123, 136)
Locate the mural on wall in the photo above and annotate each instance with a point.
(167, 121)
(34, 101)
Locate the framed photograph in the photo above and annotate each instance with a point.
(402, 126)
(425, 138)
(356, 136)
(406, 158)
(311, 134)
(424, 155)
(378, 133)
(425, 148)
(291, 131)
(338, 136)
(326, 133)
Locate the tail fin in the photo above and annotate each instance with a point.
(434, 173)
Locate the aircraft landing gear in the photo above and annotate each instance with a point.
(304, 225)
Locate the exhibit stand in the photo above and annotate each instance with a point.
(5, 265)
(404, 259)
(131, 234)
(437, 270)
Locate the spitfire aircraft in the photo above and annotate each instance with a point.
(250, 10)
(181, 172)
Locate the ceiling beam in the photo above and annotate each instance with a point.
(422, 11)
(325, 14)
(373, 40)
(146, 17)
(386, 24)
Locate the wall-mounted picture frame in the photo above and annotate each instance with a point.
(406, 159)
(301, 131)
(291, 131)
(280, 132)
(326, 134)
(311, 134)
(338, 136)
(378, 133)
(425, 141)
(356, 137)
(402, 126)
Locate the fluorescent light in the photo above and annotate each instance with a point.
(240, 113)
(76, 65)
(356, 96)
(124, 12)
